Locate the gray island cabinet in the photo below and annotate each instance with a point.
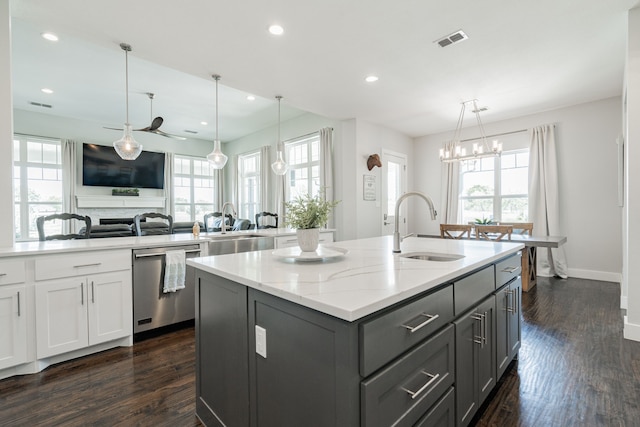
(365, 340)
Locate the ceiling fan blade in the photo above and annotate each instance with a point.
(156, 123)
(105, 127)
(167, 135)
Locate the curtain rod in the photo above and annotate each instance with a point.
(497, 134)
(303, 136)
(37, 136)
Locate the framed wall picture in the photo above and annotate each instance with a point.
(369, 187)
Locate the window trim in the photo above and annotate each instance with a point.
(240, 176)
(497, 198)
(192, 204)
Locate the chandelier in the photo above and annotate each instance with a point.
(454, 151)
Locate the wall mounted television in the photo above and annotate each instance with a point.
(102, 167)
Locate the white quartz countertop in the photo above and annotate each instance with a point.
(63, 246)
(369, 277)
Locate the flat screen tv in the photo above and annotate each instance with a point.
(102, 167)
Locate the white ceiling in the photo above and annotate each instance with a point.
(520, 58)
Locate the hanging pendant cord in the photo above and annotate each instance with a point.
(216, 77)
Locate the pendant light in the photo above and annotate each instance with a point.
(216, 157)
(279, 167)
(453, 151)
(127, 147)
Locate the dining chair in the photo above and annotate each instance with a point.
(522, 228)
(494, 232)
(213, 221)
(455, 231)
(43, 227)
(266, 220)
(148, 228)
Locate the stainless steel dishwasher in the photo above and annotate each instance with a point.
(153, 308)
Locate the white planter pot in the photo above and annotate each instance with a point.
(308, 239)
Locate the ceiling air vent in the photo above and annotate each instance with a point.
(38, 104)
(190, 131)
(456, 37)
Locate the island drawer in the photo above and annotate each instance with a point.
(405, 390)
(473, 288)
(385, 337)
(508, 269)
(443, 413)
(12, 272)
(74, 264)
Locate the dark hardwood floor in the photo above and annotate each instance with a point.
(574, 369)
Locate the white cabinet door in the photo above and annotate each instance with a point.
(61, 316)
(110, 306)
(13, 326)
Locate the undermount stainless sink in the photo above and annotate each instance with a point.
(432, 256)
(235, 243)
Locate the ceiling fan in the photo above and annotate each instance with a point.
(156, 122)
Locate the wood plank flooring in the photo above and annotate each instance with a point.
(574, 369)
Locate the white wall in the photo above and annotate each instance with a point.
(590, 216)
(632, 172)
(373, 139)
(6, 132)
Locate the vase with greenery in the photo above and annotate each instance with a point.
(307, 214)
(484, 221)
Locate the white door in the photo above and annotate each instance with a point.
(394, 184)
(13, 326)
(61, 316)
(110, 306)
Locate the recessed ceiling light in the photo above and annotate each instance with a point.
(46, 90)
(276, 30)
(371, 79)
(50, 36)
(251, 98)
(203, 123)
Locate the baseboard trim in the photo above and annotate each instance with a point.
(631, 331)
(605, 276)
(623, 302)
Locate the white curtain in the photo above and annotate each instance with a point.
(169, 205)
(544, 209)
(69, 177)
(265, 173)
(235, 180)
(326, 165)
(218, 189)
(450, 188)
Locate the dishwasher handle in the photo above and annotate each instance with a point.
(163, 253)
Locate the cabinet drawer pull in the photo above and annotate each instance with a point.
(430, 318)
(87, 265)
(3, 274)
(511, 304)
(482, 338)
(18, 303)
(81, 293)
(93, 293)
(415, 394)
(509, 269)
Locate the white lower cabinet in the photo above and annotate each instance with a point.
(77, 312)
(13, 326)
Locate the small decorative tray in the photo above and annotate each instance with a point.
(323, 253)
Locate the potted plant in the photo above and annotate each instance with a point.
(484, 221)
(307, 214)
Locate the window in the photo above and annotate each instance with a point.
(502, 196)
(37, 183)
(249, 185)
(192, 188)
(303, 156)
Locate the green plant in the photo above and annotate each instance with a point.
(309, 212)
(484, 221)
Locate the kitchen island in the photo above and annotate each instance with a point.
(362, 338)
